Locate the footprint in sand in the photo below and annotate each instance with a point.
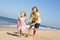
(44, 38)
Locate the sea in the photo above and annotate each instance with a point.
(11, 21)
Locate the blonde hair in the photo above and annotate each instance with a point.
(24, 13)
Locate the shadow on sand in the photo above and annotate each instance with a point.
(16, 34)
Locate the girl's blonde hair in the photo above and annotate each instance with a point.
(24, 13)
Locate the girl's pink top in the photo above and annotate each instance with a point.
(22, 21)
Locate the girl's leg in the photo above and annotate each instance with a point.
(20, 33)
(18, 30)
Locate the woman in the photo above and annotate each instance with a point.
(35, 20)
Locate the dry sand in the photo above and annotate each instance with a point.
(9, 34)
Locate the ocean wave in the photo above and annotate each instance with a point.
(5, 20)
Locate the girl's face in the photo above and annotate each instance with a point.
(34, 10)
(22, 14)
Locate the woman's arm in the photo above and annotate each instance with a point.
(35, 21)
(38, 17)
(29, 18)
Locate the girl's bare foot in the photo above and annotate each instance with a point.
(19, 36)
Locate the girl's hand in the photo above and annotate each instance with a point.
(26, 21)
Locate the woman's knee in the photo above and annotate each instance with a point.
(31, 26)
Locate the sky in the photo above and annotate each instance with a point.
(49, 10)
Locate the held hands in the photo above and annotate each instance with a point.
(33, 24)
(26, 22)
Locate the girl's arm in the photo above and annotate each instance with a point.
(25, 20)
(18, 21)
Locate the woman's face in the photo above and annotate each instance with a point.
(34, 10)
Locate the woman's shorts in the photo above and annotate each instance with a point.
(36, 25)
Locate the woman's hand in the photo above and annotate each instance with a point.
(33, 24)
(26, 22)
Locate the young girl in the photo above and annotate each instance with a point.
(21, 23)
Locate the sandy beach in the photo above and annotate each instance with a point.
(9, 34)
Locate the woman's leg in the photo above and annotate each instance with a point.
(29, 30)
(35, 28)
(34, 31)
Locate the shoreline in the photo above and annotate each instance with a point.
(27, 26)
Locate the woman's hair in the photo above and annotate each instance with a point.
(36, 9)
(24, 13)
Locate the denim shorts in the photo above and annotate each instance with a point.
(36, 25)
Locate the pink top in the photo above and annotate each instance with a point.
(22, 21)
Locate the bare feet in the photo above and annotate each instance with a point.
(28, 35)
(19, 36)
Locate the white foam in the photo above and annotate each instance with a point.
(27, 26)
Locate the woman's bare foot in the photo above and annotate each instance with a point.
(28, 35)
